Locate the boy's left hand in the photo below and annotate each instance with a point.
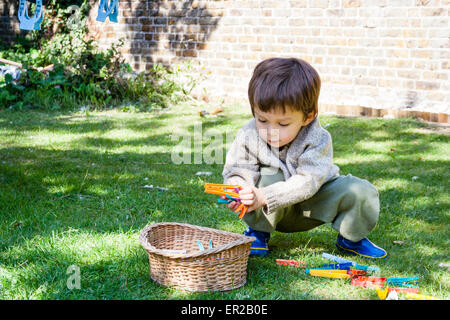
(252, 197)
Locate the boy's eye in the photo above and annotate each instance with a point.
(263, 121)
(284, 124)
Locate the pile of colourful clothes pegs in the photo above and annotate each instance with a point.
(360, 276)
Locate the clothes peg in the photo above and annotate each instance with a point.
(227, 200)
(353, 273)
(200, 246)
(243, 211)
(337, 274)
(221, 192)
(356, 265)
(405, 290)
(368, 281)
(33, 23)
(366, 268)
(326, 270)
(222, 186)
(108, 10)
(222, 189)
(415, 296)
(293, 263)
(382, 294)
(337, 259)
(232, 198)
(340, 266)
(407, 285)
(357, 272)
(372, 279)
(239, 208)
(210, 245)
(403, 282)
(323, 268)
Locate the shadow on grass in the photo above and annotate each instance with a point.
(105, 276)
(76, 123)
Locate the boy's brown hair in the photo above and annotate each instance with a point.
(284, 82)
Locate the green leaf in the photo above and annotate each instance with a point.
(8, 78)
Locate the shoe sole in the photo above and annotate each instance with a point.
(353, 252)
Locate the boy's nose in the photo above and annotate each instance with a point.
(273, 133)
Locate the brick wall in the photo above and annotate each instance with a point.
(9, 24)
(391, 54)
(382, 54)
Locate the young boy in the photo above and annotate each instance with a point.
(283, 159)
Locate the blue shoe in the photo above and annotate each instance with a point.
(364, 248)
(258, 247)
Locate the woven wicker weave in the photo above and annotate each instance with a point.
(224, 267)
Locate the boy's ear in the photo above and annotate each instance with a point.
(311, 116)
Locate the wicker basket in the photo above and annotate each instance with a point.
(224, 267)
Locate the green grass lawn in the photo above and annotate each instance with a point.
(71, 193)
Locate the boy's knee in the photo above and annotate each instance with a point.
(360, 189)
(361, 193)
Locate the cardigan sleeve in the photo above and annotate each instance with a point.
(314, 166)
(241, 164)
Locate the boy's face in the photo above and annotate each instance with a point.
(278, 128)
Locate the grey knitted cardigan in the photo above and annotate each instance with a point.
(307, 163)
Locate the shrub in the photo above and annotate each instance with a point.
(83, 74)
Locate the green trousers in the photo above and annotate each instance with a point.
(349, 203)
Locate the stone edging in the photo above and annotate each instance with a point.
(387, 113)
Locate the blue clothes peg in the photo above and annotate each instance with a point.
(367, 268)
(233, 198)
(342, 260)
(230, 199)
(402, 282)
(200, 246)
(27, 23)
(337, 259)
(322, 268)
(339, 266)
(105, 10)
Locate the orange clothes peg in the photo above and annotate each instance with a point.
(221, 189)
(241, 206)
(218, 185)
(243, 209)
(243, 212)
(222, 193)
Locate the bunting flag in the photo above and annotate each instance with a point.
(108, 9)
(33, 23)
